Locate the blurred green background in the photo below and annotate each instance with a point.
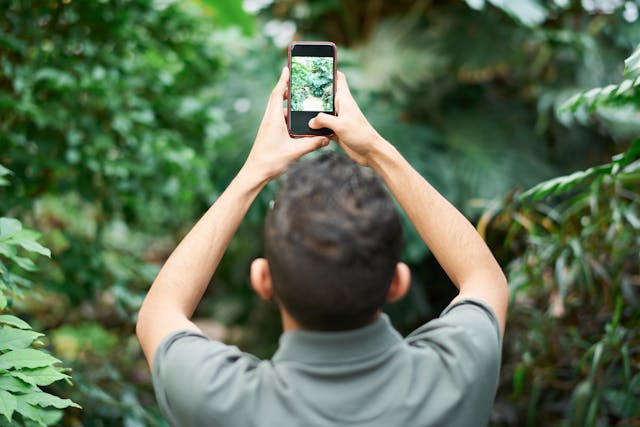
(121, 121)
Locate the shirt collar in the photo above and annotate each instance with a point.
(334, 347)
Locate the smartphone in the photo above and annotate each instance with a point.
(312, 89)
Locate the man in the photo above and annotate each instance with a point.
(332, 242)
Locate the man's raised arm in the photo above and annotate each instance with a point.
(452, 239)
(179, 286)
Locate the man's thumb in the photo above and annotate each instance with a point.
(323, 120)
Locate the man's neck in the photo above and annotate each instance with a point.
(288, 322)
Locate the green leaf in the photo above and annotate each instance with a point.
(24, 263)
(26, 358)
(39, 376)
(564, 183)
(9, 227)
(17, 322)
(50, 417)
(3, 301)
(27, 239)
(475, 4)
(14, 339)
(45, 399)
(8, 404)
(15, 385)
(28, 411)
(528, 12)
(4, 172)
(632, 65)
(519, 380)
(58, 79)
(597, 358)
(231, 13)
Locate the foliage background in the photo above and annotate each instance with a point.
(121, 121)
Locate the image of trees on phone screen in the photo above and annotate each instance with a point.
(312, 83)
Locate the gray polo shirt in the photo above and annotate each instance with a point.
(445, 373)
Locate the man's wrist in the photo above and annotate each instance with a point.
(250, 179)
(382, 155)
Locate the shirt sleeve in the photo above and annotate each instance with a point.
(468, 315)
(467, 343)
(197, 379)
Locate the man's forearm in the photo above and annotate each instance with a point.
(451, 237)
(186, 274)
(183, 279)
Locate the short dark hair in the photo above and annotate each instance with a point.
(332, 239)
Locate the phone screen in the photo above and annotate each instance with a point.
(312, 83)
(312, 68)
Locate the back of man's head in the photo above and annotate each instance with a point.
(332, 240)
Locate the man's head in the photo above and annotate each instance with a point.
(332, 243)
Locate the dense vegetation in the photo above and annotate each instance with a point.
(121, 121)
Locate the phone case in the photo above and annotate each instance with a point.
(335, 68)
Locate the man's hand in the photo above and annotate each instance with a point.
(273, 149)
(352, 130)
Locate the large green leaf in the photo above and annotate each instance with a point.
(29, 411)
(14, 321)
(14, 339)
(27, 239)
(632, 65)
(9, 227)
(15, 385)
(26, 358)
(39, 376)
(565, 183)
(593, 97)
(8, 404)
(45, 399)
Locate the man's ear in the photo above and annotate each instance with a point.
(400, 283)
(261, 278)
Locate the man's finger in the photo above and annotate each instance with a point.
(308, 144)
(342, 83)
(278, 92)
(343, 93)
(323, 120)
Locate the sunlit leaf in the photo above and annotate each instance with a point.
(8, 404)
(27, 239)
(528, 12)
(39, 376)
(9, 227)
(26, 358)
(28, 411)
(24, 263)
(13, 339)
(14, 321)
(15, 385)
(46, 399)
(476, 4)
(632, 65)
